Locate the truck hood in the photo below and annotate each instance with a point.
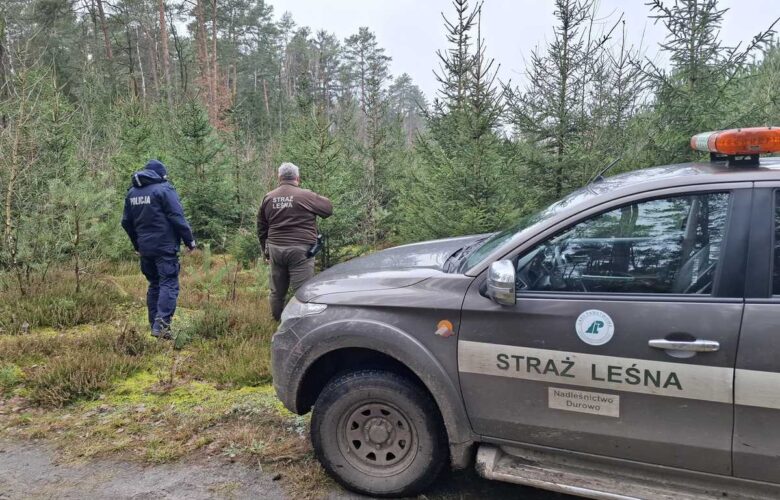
(395, 267)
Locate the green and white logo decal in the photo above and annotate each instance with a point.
(595, 327)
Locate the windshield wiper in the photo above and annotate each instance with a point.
(446, 265)
(460, 255)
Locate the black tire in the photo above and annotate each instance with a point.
(379, 434)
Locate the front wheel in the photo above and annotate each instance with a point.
(378, 433)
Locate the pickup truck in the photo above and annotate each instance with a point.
(624, 342)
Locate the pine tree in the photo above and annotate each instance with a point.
(327, 65)
(368, 69)
(407, 104)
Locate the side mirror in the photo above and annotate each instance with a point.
(501, 282)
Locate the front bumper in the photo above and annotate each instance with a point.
(282, 345)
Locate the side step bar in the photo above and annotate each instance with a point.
(608, 479)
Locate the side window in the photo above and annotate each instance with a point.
(666, 245)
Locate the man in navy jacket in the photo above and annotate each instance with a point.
(154, 220)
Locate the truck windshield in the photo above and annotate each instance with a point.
(525, 223)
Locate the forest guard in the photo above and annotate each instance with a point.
(154, 220)
(287, 229)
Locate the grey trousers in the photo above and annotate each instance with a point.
(289, 269)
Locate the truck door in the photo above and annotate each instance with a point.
(757, 378)
(623, 339)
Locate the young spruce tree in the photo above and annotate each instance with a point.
(698, 91)
(459, 186)
(203, 178)
(310, 142)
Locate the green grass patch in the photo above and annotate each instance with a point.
(10, 376)
(57, 305)
(60, 368)
(232, 359)
(78, 375)
(44, 345)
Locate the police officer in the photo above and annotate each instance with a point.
(154, 220)
(287, 229)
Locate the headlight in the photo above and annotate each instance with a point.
(296, 309)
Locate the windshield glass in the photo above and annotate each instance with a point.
(525, 223)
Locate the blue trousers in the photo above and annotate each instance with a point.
(162, 273)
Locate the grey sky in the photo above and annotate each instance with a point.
(411, 31)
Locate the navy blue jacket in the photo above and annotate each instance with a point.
(153, 217)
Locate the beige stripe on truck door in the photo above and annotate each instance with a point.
(678, 380)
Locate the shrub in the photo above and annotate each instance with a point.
(39, 347)
(132, 342)
(232, 342)
(57, 305)
(214, 322)
(31, 347)
(78, 375)
(245, 317)
(245, 247)
(77, 365)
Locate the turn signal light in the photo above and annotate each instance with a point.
(739, 141)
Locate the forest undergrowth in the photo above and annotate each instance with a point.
(80, 370)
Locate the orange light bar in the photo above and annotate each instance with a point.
(739, 141)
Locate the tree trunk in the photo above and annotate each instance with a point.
(10, 194)
(100, 29)
(154, 67)
(166, 62)
(3, 77)
(9, 58)
(133, 84)
(104, 29)
(140, 65)
(10, 190)
(562, 111)
(180, 54)
(203, 56)
(234, 86)
(237, 171)
(76, 248)
(280, 99)
(91, 7)
(6, 69)
(214, 85)
(265, 99)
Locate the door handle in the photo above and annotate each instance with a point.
(685, 345)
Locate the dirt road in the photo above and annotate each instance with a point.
(29, 470)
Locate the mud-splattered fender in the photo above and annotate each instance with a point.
(401, 346)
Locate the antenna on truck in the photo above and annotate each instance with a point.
(600, 176)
